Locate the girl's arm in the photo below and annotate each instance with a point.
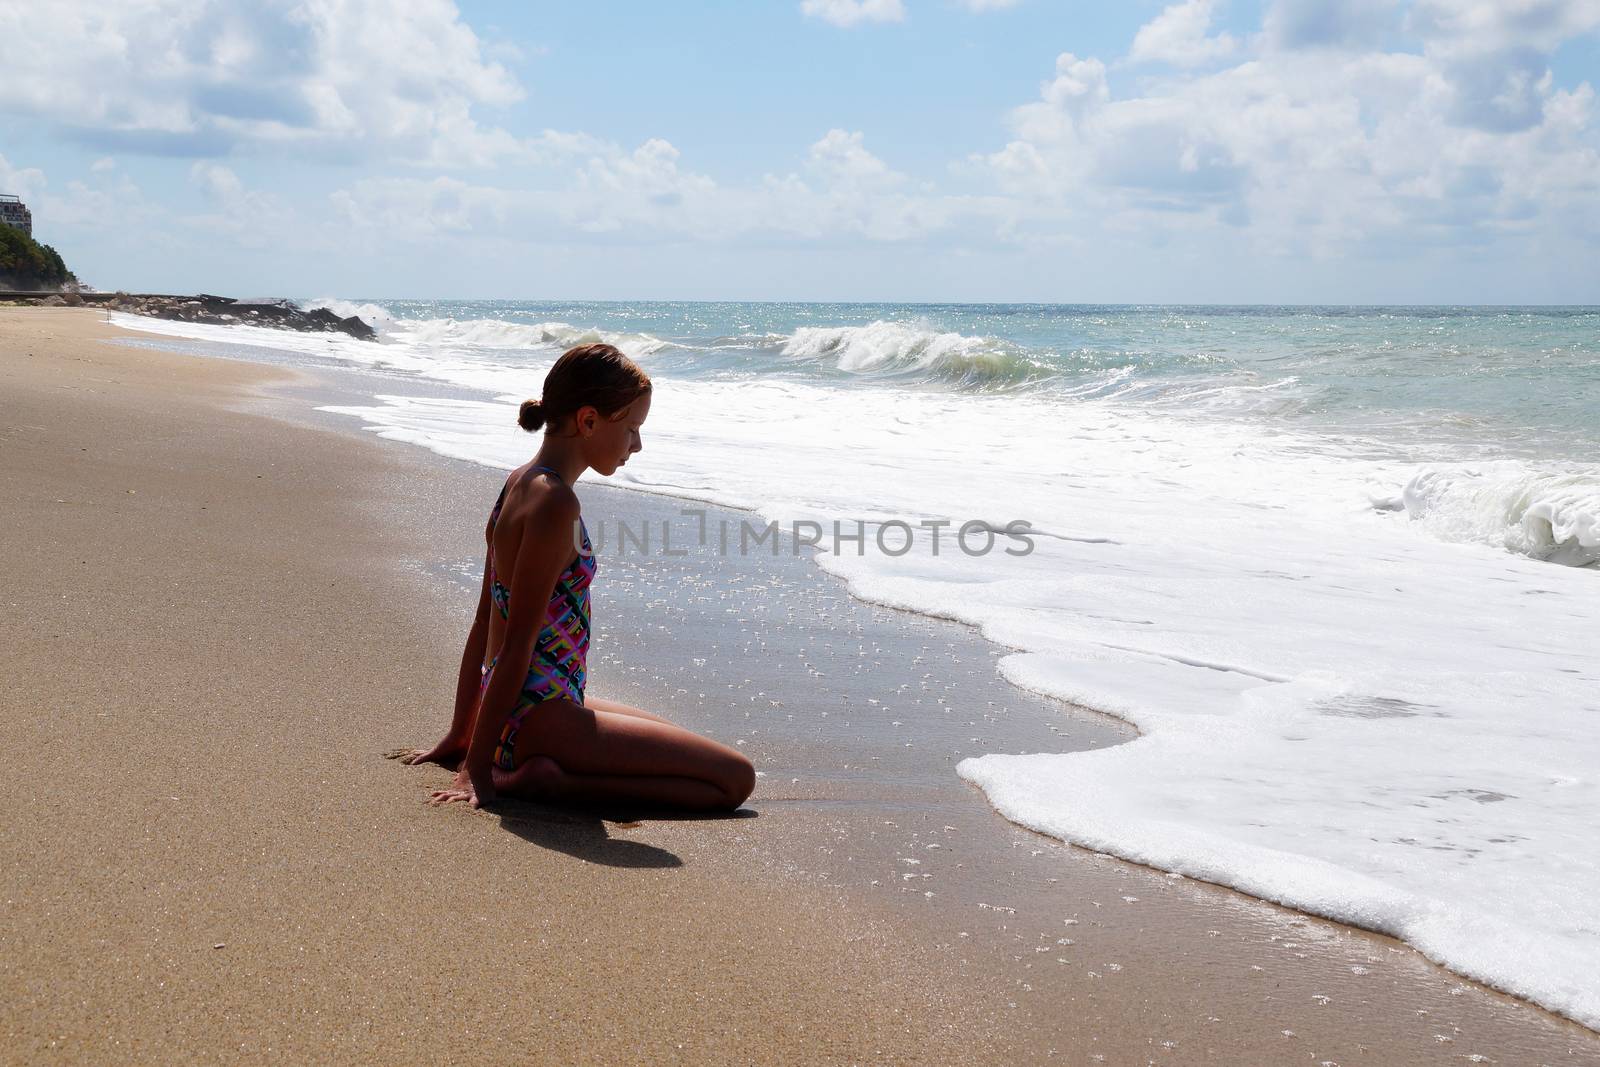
(545, 551)
(453, 746)
(470, 676)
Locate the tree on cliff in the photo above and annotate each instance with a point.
(27, 264)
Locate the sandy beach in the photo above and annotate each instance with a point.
(222, 607)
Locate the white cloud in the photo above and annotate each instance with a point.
(108, 200)
(1495, 25)
(1078, 90)
(218, 183)
(602, 191)
(1317, 149)
(108, 203)
(20, 181)
(987, 5)
(1493, 57)
(1322, 148)
(411, 209)
(252, 217)
(841, 160)
(397, 79)
(223, 189)
(1179, 36)
(849, 13)
(590, 189)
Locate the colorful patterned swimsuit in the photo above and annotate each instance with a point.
(560, 653)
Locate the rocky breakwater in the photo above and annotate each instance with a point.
(212, 310)
(223, 311)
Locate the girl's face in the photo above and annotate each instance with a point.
(608, 442)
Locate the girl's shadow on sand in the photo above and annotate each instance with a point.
(583, 833)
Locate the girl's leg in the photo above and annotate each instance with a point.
(541, 778)
(572, 752)
(597, 704)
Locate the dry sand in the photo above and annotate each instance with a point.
(215, 619)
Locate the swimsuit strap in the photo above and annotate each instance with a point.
(497, 589)
(550, 472)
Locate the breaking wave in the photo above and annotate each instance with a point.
(910, 350)
(379, 318)
(1545, 514)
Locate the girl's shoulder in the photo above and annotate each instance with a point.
(538, 497)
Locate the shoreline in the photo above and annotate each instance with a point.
(1132, 1006)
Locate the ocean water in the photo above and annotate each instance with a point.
(1340, 566)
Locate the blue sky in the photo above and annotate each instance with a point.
(1337, 151)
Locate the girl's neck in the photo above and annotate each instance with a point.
(565, 461)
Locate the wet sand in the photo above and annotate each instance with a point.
(221, 606)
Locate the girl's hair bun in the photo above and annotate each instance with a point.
(531, 417)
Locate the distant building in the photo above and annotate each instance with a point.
(13, 212)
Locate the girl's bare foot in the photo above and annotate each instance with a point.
(536, 778)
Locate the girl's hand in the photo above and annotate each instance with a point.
(462, 788)
(440, 797)
(447, 753)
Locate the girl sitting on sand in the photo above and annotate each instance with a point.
(523, 726)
